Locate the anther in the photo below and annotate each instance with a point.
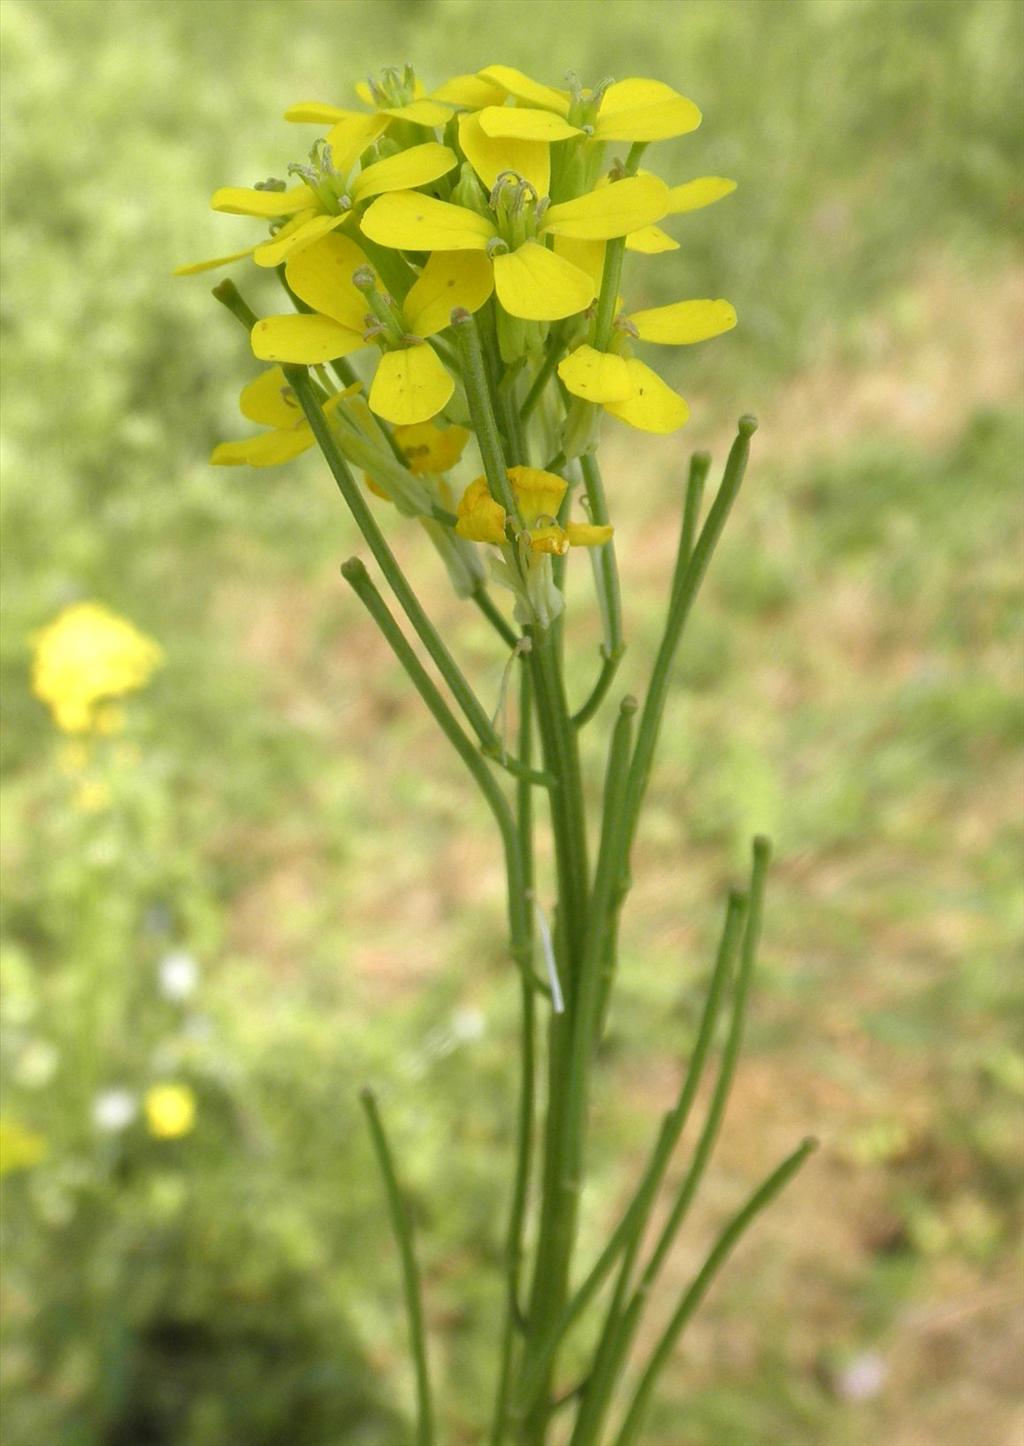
(271, 184)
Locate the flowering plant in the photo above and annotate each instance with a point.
(466, 247)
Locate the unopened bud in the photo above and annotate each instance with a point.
(364, 278)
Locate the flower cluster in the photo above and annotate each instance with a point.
(86, 657)
(495, 198)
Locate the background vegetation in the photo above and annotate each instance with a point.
(281, 810)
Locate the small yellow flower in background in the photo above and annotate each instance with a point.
(20, 1148)
(85, 657)
(170, 1110)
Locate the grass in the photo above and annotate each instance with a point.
(281, 809)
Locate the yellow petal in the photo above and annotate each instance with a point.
(321, 276)
(490, 156)
(589, 534)
(247, 201)
(704, 191)
(537, 493)
(410, 385)
(351, 135)
(644, 110)
(587, 255)
(551, 539)
(480, 518)
(420, 112)
(596, 376)
(317, 112)
(450, 278)
(428, 448)
(650, 241)
(192, 268)
(610, 210)
(654, 406)
(413, 222)
(305, 340)
(534, 283)
(471, 91)
(289, 241)
(404, 171)
(684, 322)
(270, 400)
(267, 450)
(514, 82)
(522, 123)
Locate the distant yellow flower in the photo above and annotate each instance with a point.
(170, 1110)
(91, 796)
(20, 1148)
(627, 387)
(411, 384)
(532, 282)
(86, 656)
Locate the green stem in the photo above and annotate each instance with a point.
(606, 579)
(478, 394)
(761, 1198)
(487, 606)
(520, 922)
(629, 1233)
(527, 1068)
(552, 357)
(621, 1325)
(611, 275)
(700, 464)
(402, 1224)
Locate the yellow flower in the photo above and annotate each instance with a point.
(429, 451)
(333, 188)
(20, 1148)
(170, 1110)
(270, 400)
(538, 497)
(87, 655)
(624, 110)
(648, 240)
(532, 282)
(395, 98)
(625, 386)
(410, 384)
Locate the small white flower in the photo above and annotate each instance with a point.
(114, 1110)
(179, 975)
(468, 1025)
(862, 1378)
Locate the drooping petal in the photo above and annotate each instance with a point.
(248, 201)
(316, 112)
(704, 191)
(514, 82)
(534, 283)
(321, 276)
(411, 385)
(428, 448)
(589, 534)
(550, 538)
(471, 91)
(650, 241)
(610, 210)
(420, 112)
(192, 268)
(644, 110)
(413, 222)
(404, 171)
(489, 156)
(450, 278)
(684, 322)
(523, 123)
(654, 406)
(290, 240)
(306, 340)
(266, 450)
(480, 518)
(537, 493)
(270, 400)
(596, 376)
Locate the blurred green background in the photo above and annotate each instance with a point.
(280, 811)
